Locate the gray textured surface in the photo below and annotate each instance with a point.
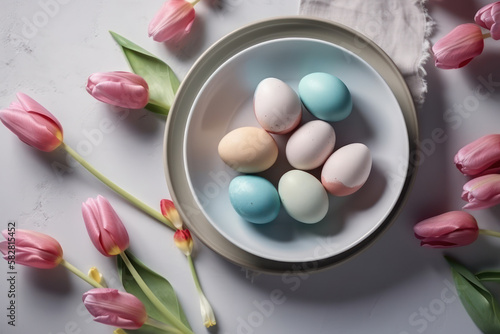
(395, 287)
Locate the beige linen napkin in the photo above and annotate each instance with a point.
(400, 27)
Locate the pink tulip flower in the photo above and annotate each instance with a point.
(106, 230)
(173, 21)
(459, 47)
(450, 229)
(32, 249)
(32, 123)
(489, 17)
(122, 89)
(482, 156)
(482, 192)
(115, 308)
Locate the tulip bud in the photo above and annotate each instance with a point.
(115, 308)
(32, 249)
(122, 89)
(482, 192)
(450, 229)
(458, 47)
(173, 21)
(184, 241)
(32, 123)
(106, 230)
(489, 17)
(96, 275)
(169, 211)
(482, 156)
(207, 313)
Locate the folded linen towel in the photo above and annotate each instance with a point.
(400, 27)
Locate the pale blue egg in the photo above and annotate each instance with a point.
(325, 96)
(254, 198)
(304, 198)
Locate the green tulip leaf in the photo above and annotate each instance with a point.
(146, 329)
(162, 81)
(478, 301)
(489, 275)
(160, 287)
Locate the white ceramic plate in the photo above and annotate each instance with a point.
(215, 97)
(225, 103)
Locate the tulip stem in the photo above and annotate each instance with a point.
(490, 233)
(194, 274)
(132, 199)
(210, 320)
(80, 274)
(487, 35)
(163, 326)
(152, 297)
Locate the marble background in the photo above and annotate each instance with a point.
(49, 48)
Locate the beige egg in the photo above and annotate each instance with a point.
(248, 150)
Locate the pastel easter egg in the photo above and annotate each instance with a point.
(347, 169)
(303, 196)
(325, 96)
(254, 198)
(276, 105)
(310, 145)
(248, 150)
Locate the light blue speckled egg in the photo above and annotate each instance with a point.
(254, 198)
(325, 96)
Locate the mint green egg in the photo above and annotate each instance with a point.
(254, 198)
(325, 96)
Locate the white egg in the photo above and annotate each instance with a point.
(303, 196)
(277, 107)
(310, 145)
(347, 169)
